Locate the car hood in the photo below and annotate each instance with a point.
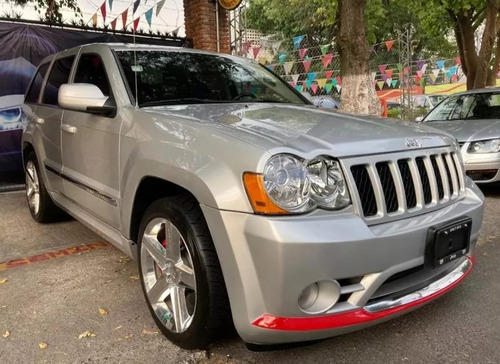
(468, 130)
(307, 128)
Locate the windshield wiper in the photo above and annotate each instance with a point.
(185, 100)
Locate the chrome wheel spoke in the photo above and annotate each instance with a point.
(186, 276)
(173, 242)
(159, 291)
(155, 249)
(179, 308)
(32, 187)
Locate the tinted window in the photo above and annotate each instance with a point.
(465, 107)
(59, 74)
(36, 84)
(91, 70)
(166, 78)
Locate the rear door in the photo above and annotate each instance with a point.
(48, 116)
(90, 145)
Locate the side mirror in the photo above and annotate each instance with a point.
(85, 97)
(419, 119)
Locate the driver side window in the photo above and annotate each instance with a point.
(91, 70)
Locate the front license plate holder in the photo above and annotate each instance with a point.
(447, 242)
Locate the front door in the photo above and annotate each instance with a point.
(90, 145)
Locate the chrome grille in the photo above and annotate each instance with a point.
(396, 184)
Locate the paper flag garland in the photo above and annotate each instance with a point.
(314, 88)
(327, 60)
(324, 49)
(417, 79)
(420, 64)
(328, 74)
(271, 67)
(136, 5)
(308, 84)
(420, 73)
(374, 74)
(433, 77)
(124, 18)
(406, 71)
(311, 76)
(149, 14)
(245, 46)
(389, 82)
(255, 52)
(302, 53)
(388, 73)
(288, 67)
(110, 4)
(382, 68)
(384, 77)
(297, 40)
(295, 78)
(275, 46)
(454, 78)
(339, 80)
(380, 84)
(424, 68)
(94, 19)
(298, 88)
(339, 88)
(440, 64)
(448, 74)
(293, 84)
(328, 87)
(435, 72)
(103, 11)
(453, 69)
(159, 6)
(307, 65)
(136, 23)
(321, 82)
(389, 44)
(458, 61)
(400, 67)
(282, 57)
(334, 82)
(113, 24)
(394, 83)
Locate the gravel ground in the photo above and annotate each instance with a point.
(53, 302)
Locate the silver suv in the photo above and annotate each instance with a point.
(241, 201)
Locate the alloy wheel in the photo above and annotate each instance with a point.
(32, 187)
(168, 275)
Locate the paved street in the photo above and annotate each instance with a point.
(53, 293)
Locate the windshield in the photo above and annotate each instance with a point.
(172, 78)
(475, 106)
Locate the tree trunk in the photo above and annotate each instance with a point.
(358, 92)
(468, 53)
(487, 42)
(492, 76)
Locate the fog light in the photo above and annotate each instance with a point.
(319, 297)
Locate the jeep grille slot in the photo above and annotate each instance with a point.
(365, 189)
(405, 184)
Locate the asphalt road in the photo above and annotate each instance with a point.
(53, 299)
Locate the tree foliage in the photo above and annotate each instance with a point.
(50, 10)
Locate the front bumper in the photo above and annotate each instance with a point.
(268, 261)
(483, 167)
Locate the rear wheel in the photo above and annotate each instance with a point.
(180, 273)
(40, 204)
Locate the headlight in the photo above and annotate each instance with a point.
(292, 185)
(484, 146)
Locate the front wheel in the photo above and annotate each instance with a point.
(180, 273)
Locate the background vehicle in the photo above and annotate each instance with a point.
(242, 200)
(473, 117)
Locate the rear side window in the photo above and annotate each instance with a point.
(91, 70)
(59, 74)
(34, 91)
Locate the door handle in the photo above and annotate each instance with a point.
(68, 128)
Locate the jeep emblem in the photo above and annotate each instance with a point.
(413, 143)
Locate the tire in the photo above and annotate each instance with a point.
(180, 273)
(40, 204)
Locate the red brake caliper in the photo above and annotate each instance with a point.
(164, 244)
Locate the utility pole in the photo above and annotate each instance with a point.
(405, 59)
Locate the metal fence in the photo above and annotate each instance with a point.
(314, 69)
